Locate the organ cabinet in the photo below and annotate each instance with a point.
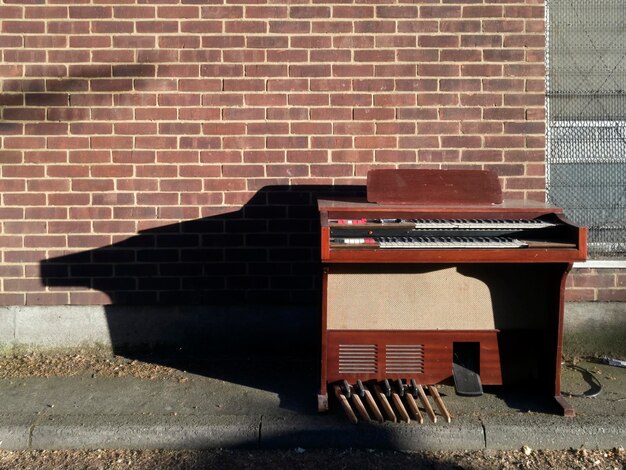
(434, 268)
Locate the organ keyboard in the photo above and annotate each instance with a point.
(430, 242)
(441, 268)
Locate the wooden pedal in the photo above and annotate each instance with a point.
(385, 404)
(412, 404)
(360, 408)
(371, 403)
(440, 404)
(426, 404)
(345, 405)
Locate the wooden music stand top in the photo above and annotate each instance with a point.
(437, 187)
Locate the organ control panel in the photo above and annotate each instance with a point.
(432, 265)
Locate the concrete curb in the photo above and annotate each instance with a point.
(553, 432)
(151, 432)
(22, 432)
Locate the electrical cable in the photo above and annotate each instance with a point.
(590, 378)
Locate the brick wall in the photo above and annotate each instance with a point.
(593, 284)
(123, 119)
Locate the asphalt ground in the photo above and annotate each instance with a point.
(268, 403)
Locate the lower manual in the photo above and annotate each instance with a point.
(389, 400)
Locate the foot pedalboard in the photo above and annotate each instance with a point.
(364, 401)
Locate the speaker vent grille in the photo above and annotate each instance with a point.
(357, 358)
(404, 358)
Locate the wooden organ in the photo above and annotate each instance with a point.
(433, 265)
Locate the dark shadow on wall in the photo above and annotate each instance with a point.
(203, 294)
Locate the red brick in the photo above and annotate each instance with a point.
(336, 27)
(245, 27)
(374, 55)
(243, 170)
(481, 127)
(612, 295)
(418, 113)
(244, 84)
(289, 27)
(375, 142)
(428, 11)
(287, 142)
(503, 55)
(45, 213)
(417, 84)
(11, 128)
(374, 26)
(199, 142)
(264, 156)
(27, 27)
(222, 12)
(309, 12)
(24, 199)
(316, 70)
(156, 26)
(376, 114)
(24, 142)
(462, 84)
(47, 298)
(266, 12)
(265, 128)
(353, 11)
(310, 99)
(331, 142)
(179, 11)
(438, 41)
(267, 42)
(266, 70)
(403, 11)
(395, 128)
(335, 55)
(352, 70)
(343, 42)
(311, 128)
(307, 156)
(438, 70)
(351, 99)
(438, 99)
(461, 141)
(287, 170)
(482, 11)
(594, 280)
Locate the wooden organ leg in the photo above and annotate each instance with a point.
(568, 410)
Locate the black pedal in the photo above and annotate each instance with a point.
(466, 382)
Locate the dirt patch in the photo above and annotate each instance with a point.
(82, 363)
(313, 459)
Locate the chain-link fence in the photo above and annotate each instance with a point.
(586, 131)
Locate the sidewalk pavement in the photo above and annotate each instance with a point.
(271, 404)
